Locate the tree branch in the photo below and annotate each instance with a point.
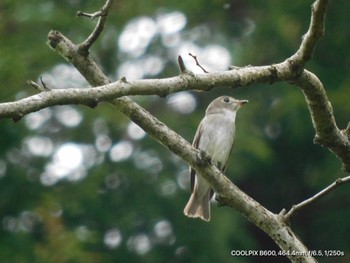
(108, 91)
(312, 36)
(197, 63)
(291, 70)
(84, 63)
(84, 47)
(314, 198)
(322, 116)
(229, 193)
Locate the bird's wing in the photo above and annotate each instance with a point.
(223, 168)
(195, 144)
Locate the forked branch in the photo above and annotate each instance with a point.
(84, 47)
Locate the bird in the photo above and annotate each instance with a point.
(215, 136)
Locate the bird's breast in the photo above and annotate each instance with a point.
(217, 138)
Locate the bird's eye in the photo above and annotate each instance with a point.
(226, 100)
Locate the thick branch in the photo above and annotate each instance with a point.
(70, 52)
(162, 87)
(321, 111)
(229, 194)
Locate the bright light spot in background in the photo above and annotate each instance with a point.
(137, 69)
(26, 222)
(90, 156)
(39, 146)
(68, 115)
(170, 23)
(137, 35)
(168, 188)
(112, 238)
(121, 151)
(164, 232)
(135, 132)
(152, 65)
(67, 163)
(171, 40)
(148, 161)
(140, 244)
(37, 119)
(130, 70)
(69, 156)
(182, 102)
(183, 179)
(216, 57)
(103, 143)
(64, 76)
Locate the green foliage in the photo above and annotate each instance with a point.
(121, 198)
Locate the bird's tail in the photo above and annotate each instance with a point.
(197, 207)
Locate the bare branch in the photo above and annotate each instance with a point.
(197, 63)
(70, 52)
(321, 111)
(229, 193)
(327, 132)
(314, 33)
(315, 198)
(36, 86)
(102, 14)
(109, 91)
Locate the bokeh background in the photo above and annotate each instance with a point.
(88, 185)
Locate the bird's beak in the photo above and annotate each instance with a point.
(242, 102)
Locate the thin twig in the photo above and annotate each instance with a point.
(197, 63)
(314, 198)
(102, 14)
(38, 87)
(43, 84)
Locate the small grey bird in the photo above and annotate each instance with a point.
(215, 136)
